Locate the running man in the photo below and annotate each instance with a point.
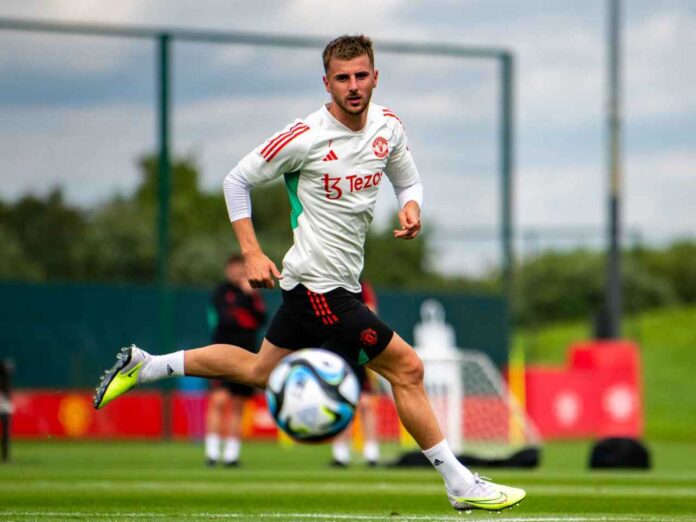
(333, 162)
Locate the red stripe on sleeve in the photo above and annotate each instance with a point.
(281, 145)
(270, 144)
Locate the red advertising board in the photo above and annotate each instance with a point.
(70, 415)
(598, 394)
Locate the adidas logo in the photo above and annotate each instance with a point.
(170, 370)
(331, 156)
(437, 462)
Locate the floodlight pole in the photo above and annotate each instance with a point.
(164, 192)
(506, 178)
(613, 268)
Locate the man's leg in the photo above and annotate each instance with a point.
(368, 412)
(217, 400)
(402, 367)
(135, 366)
(233, 441)
(234, 363)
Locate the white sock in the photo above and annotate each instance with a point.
(212, 446)
(160, 367)
(341, 452)
(232, 447)
(371, 451)
(457, 477)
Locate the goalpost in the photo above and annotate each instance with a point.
(482, 420)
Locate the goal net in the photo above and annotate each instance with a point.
(475, 409)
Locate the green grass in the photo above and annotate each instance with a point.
(667, 339)
(166, 481)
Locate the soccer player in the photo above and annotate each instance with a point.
(237, 312)
(333, 162)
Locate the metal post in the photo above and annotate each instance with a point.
(5, 409)
(613, 276)
(164, 191)
(506, 172)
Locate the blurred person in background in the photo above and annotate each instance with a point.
(369, 380)
(236, 312)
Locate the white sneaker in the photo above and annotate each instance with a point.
(484, 494)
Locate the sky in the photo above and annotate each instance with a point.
(77, 112)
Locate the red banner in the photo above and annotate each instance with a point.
(70, 415)
(597, 395)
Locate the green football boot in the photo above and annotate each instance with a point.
(121, 377)
(486, 495)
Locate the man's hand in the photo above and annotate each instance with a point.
(260, 270)
(409, 218)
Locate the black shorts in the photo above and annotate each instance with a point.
(337, 320)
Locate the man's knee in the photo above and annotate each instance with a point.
(407, 370)
(413, 369)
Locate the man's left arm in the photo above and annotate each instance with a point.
(403, 174)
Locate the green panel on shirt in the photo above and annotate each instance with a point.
(291, 181)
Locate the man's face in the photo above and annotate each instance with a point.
(350, 83)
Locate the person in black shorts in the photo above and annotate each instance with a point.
(235, 315)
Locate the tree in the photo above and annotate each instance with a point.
(48, 232)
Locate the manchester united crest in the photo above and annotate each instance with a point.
(368, 337)
(381, 147)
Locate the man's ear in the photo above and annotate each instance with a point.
(376, 77)
(326, 83)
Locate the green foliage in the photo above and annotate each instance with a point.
(14, 262)
(48, 239)
(395, 263)
(119, 243)
(676, 265)
(562, 285)
(48, 232)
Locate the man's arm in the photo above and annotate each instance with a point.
(284, 152)
(260, 270)
(403, 174)
(409, 218)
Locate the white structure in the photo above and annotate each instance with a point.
(469, 396)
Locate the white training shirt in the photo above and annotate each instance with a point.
(332, 175)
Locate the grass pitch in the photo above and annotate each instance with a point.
(55, 480)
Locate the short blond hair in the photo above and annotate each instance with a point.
(347, 47)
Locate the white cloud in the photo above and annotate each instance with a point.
(90, 152)
(660, 190)
(660, 76)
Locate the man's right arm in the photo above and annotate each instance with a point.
(284, 152)
(260, 270)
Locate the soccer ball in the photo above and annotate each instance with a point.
(312, 395)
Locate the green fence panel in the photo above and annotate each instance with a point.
(65, 335)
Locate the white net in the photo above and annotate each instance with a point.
(475, 409)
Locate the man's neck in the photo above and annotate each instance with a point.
(355, 122)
